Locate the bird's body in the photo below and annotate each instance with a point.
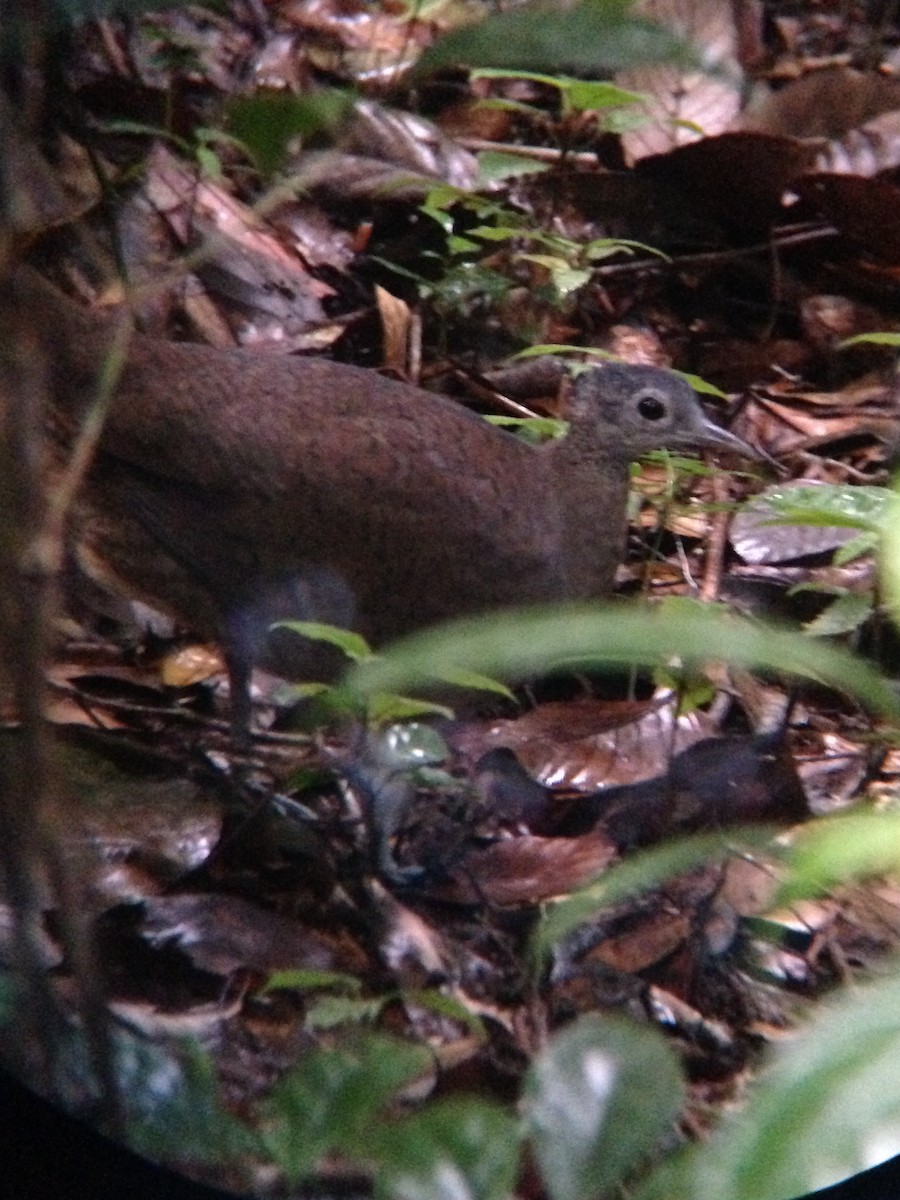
(233, 489)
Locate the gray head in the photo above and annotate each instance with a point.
(645, 408)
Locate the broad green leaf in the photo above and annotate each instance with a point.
(865, 543)
(828, 1107)
(588, 94)
(455, 1149)
(353, 644)
(551, 261)
(598, 1102)
(173, 1105)
(592, 37)
(267, 122)
(840, 848)
(330, 1101)
(520, 643)
(497, 233)
(330, 1011)
(579, 94)
(554, 81)
(462, 245)
(565, 277)
(860, 507)
(843, 615)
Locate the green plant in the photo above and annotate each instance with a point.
(866, 509)
(379, 707)
(590, 38)
(523, 643)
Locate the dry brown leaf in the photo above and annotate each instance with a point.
(396, 321)
(594, 744)
(223, 934)
(785, 422)
(527, 869)
(685, 105)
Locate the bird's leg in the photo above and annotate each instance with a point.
(238, 666)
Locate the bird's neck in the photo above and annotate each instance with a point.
(590, 482)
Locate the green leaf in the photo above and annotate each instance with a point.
(307, 980)
(391, 706)
(497, 165)
(693, 688)
(680, 464)
(497, 233)
(601, 248)
(353, 644)
(534, 429)
(587, 94)
(837, 849)
(843, 615)
(700, 385)
(594, 37)
(122, 125)
(329, 1012)
(873, 339)
(890, 553)
(173, 1107)
(522, 643)
(552, 262)
(828, 1107)
(826, 504)
(461, 245)
(639, 873)
(579, 94)
(330, 1101)
(267, 122)
(553, 81)
(865, 543)
(598, 1101)
(445, 1005)
(456, 1149)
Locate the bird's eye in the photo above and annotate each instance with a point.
(651, 406)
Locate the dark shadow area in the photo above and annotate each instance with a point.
(48, 1154)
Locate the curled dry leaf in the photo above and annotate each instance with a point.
(591, 744)
(222, 934)
(683, 104)
(527, 870)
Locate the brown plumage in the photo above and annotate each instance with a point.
(234, 489)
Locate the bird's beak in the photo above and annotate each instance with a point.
(713, 437)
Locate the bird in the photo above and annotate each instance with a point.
(233, 489)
